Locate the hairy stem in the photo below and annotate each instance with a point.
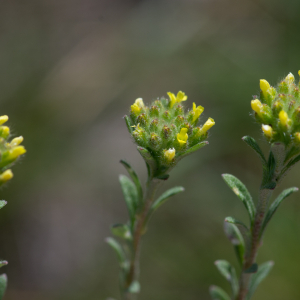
(133, 274)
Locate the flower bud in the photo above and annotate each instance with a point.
(154, 111)
(3, 119)
(16, 141)
(5, 176)
(155, 141)
(4, 131)
(256, 106)
(264, 86)
(169, 154)
(283, 118)
(207, 125)
(268, 131)
(166, 131)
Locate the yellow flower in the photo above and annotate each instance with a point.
(290, 78)
(207, 125)
(16, 152)
(6, 175)
(169, 154)
(4, 131)
(283, 117)
(182, 136)
(3, 119)
(179, 98)
(137, 106)
(16, 141)
(264, 86)
(256, 106)
(197, 111)
(268, 131)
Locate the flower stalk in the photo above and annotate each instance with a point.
(164, 134)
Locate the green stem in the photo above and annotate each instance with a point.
(133, 274)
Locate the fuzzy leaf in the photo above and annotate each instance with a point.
(3, 263)
(253, 144)
(275, 205)
(291, 163)
(192, 149)
(2, 203)
(134, 287)
(228, 271)
(130, 195)
(134, 178)
(236, 222)
(241, 191)
(121, 231)
(165, 196)
(3, 284)
(128, 124)
(262, 272)
(236, 238)
(218, 294)
(119, 251)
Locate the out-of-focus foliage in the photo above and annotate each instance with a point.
(70, 70)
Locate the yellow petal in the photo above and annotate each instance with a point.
(207, 125)
(172, 99)
(16, 141)
(182, 136)
(3, 119)
(181, 97)
(169, 154)
(256, 106)
(268, 131)
(264, 86)
(6, 175)
(283, 117)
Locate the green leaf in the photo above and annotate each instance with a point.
(130, 194)
(122, 231)
(236, 222)
(2, 203)
(258, 277)
(3, 263)
(253, 144)
(241, 191)
(134, 287)
(228, 271)
(128, 124)
(218, 294)
(134, 178)
(234, 235)
(192, 149)
(275, 205)
(252, 269)
(119, 251)
(149, 159)
(165, 196)
(3, 284)
(291, 163)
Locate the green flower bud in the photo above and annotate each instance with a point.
(154, 111)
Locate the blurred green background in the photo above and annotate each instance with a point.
(69, 72)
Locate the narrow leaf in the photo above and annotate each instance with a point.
(128, 124)
(276, 204)
(130, 195)
(259, 276)
(241, 191)
(291, 163)
(253, 144)
(134, 287)
(119, 251)
(234, 235)
(2, 203)
(3, 284)
(122, 231)
(236, 222)
(228, 271)
(193, 149)
(268, 182)
(134, 178)
(165, 196)
(218, 294)
(150, 161)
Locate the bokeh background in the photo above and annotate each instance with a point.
(69, 72)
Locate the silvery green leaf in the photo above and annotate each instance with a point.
(218, 294)
(2, 203)
(122, 231)
(3, 284)
(165, 196)
(228, 271)
(119, 251)
(236, 238)
(130, 195)
(134, 287)
(134, 178)
(241, 191)
(262, 272)
(275, 205)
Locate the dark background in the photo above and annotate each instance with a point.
(69, 72)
